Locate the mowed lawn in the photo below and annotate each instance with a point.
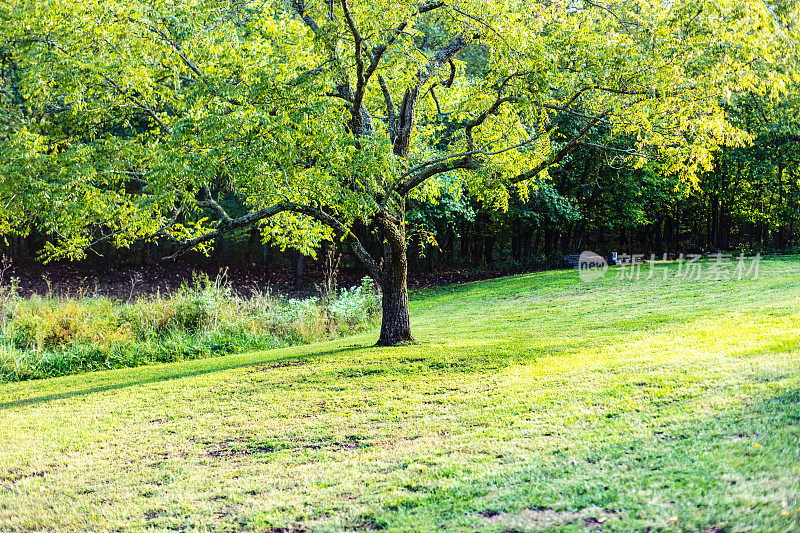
(530, 403)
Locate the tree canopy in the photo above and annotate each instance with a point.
(133, 120)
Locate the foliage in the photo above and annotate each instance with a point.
(355, 306)
(9, 293)
(153, 119)
(51, 337)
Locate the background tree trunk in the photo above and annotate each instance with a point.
(298, 261)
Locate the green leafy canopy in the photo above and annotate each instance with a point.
(127, 120)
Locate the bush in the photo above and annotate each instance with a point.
(356, 306)
(47, 325)
(9, 294)
(51, 337)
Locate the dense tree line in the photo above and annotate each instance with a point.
(748, 201)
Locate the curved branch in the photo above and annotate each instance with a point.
(332, 222)
(562, 153)
(483, 116)
(233, 224)
(472, 152)
(313, 212)
(468, 161)
(452, 77)
(435, 99)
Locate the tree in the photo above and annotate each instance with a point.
(133, 119)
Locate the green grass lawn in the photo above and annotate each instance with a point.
(532, 402)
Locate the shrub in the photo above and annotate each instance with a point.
(357, 306)
(49, 336)
(9, 294)
(57, 324)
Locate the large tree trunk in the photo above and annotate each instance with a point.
(395, 323)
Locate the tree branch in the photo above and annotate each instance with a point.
(483, 116)
(391, 112)
(320, 215)
(562, 153)
(208, 201)
(487, 26)
(436, 100)
(378, 51)
(446, 165)
(358, 40)
(408, 106)
(256, 216)
(300, 7)
(234, 224)
(452, 77)
(471, 152)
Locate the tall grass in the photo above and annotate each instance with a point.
(51, 336)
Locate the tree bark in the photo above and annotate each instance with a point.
(395, 322)
(298, 261)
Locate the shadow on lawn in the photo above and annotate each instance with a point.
(158, 373)
(695, 474)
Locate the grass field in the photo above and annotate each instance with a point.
(531, 403)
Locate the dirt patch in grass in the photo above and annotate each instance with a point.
(279, 364)
(231, 448)
(360, 372)
(368, 522)
(16, 474)
(242, 448)
(545, 519)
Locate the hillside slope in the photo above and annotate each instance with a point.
(530, 403)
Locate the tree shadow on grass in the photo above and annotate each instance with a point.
(735, 470)
(110, 380)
